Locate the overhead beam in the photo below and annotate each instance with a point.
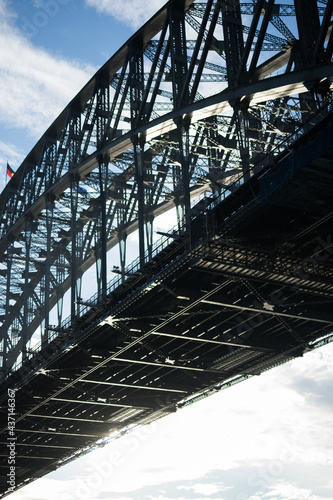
(58, 431)
(144, 387)
(99, 403)
(29, 457)
(171, 365)
(68, 418)
(269, 312)
(215, 342)
(37, 445)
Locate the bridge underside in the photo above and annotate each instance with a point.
(246, 288)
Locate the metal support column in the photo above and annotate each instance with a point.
(61, 273)
(184, 152)
(242, 125)
(136, 83)
(102, 109)
(243, 71)
(136, 86)
(138, 143)
(75, 285)
(28, 236)
(269, 5)
(122, 253)
(233, 38)
(202, 42)
(149, 237)
(101, 248)
(178, 51)
(5, 326)
(308, 23)
(49, 220)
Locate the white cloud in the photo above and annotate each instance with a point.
(203, 488)
(14, 156)
(283, 491)
(131, 12)
(35, 86)
(43, 489)
(6, 13)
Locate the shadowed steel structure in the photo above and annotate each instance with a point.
(217, 111)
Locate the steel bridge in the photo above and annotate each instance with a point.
(218, 113)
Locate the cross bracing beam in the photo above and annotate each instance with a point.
(42, 446)
(51, 431)
(68, 418)
(144, 387)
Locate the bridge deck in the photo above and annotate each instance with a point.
(247, 287)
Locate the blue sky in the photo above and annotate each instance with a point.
(49, 50)
(269, 438)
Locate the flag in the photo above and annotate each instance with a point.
(82, 190)
(10, 171)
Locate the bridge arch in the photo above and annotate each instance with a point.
(220, 110)
(199, 99)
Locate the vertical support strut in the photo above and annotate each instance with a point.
(74, 137)
(269, 5)
(138, 143)
(136, 80)
(74, 154)
(178, 52)
(49, 220)
(136, 93)
(184, 150)
(149, 237)
(28, 234)
(233, 38)
(50, 162)
(61, 272)
(207, 45)
(242, 71)
(322, 54)
(75, 237)
(308, 23)
(215, 155)
(101, 248)
(122, 253)
(242, 124)
(102, 109)
(10, 253)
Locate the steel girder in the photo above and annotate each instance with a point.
(150, 132)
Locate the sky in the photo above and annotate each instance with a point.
(269, 438)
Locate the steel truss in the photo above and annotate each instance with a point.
(192, 105)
